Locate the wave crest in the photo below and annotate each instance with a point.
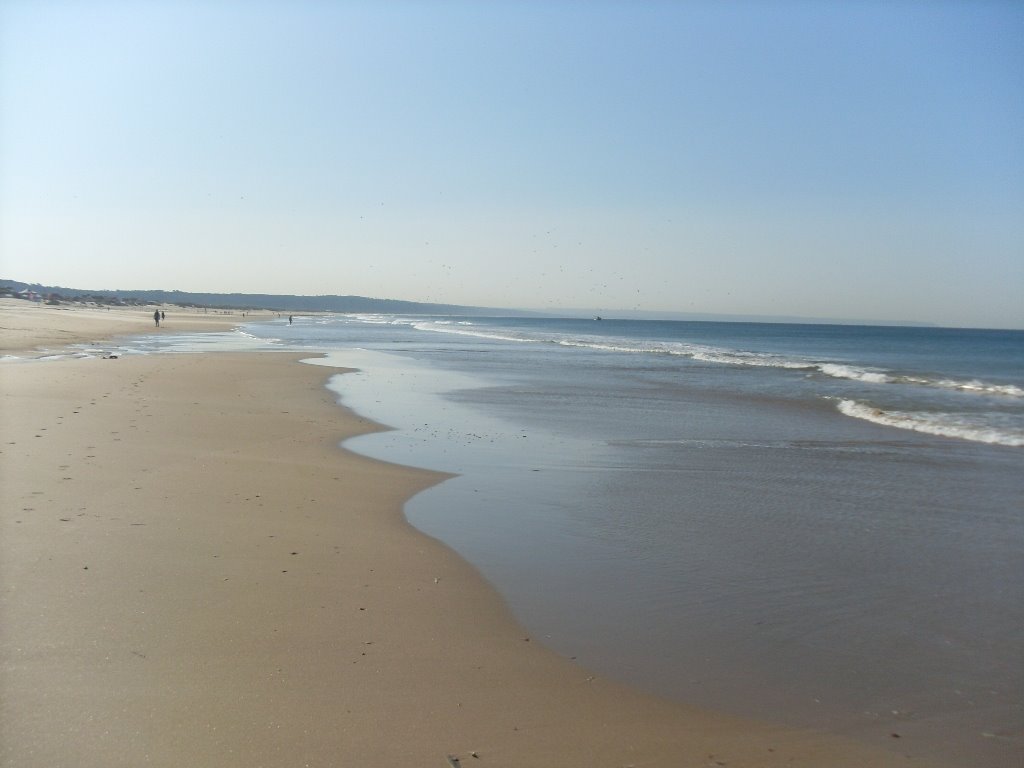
(700, 352)
(960, 426)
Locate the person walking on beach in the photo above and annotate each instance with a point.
(163, 316)
(156, 317)
(289, 319)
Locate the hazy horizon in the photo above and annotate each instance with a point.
(557, 312)
(783, 159)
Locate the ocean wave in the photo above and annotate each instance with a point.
(373, 319)
(702, 353)
(874, 376)
(962, 426)
(461, 330)
(981, 387)
(847, 371)
(841, 371)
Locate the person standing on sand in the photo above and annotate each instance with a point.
(162, 315)
(156, 317)
(289, 319)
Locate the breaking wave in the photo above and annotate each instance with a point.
(962, 426)
(705, 353)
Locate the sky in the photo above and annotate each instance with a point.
(819, 159)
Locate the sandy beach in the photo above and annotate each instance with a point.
(32, 329)
(194, 573)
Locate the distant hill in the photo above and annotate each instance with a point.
(362, 304)
(276, 302)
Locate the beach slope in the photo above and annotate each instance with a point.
(194, 573)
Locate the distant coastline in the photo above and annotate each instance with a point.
(358, 304)
(273, 302)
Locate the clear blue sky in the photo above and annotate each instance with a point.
(856, 160)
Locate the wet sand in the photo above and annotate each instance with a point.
(193, 573)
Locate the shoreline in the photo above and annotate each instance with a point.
(32, 329)
(195, 571)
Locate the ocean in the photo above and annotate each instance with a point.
(811, 524)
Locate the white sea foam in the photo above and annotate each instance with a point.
(961, 426)
(840, 371)
(981, 387)
(433, 325)
(375, 319)
(755, 359)
(871, 376)
(700, 352)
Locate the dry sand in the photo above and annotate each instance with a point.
(193, 573)
(33, 329)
